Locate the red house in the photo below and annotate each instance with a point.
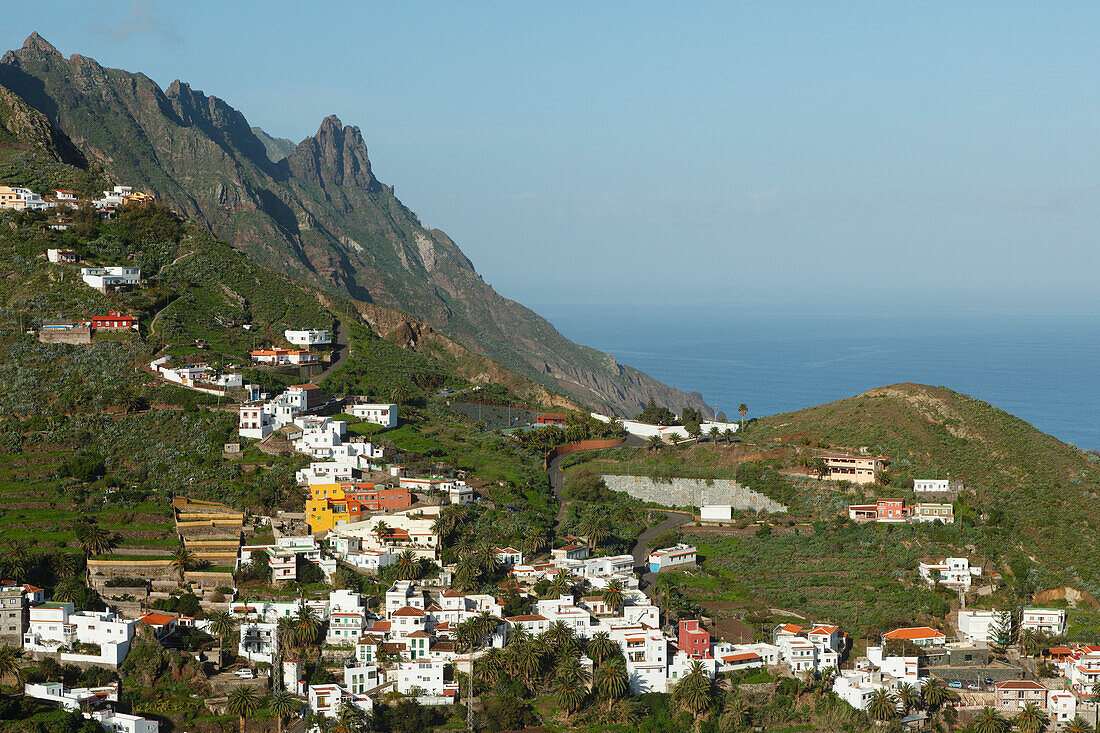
(113, 320)
(551, 418)
(692, 640)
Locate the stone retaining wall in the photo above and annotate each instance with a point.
(693, 492)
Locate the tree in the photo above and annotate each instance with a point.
(1000, 634)
(612, 594)
(655, 443)
(243, 702)
(399, 395)
(182, 560)
(351, 719)
(93, 538)
(736, 713)
(882, 706)
(380, 530)
(714, 432)
(694, 692)
(743, 409)
(728, 435)
(9, 664)
(306, 624)
(407, 566)
(694, 431)
(466, 572)
(596, 527)
(934, 692)
(1031, 719)
(611, 680)
(222, 624)
(490, 668)
(909, 696)
(570, 686)
(600, 647)
(561, 584)
(1078, 725)
(282, 705)
(989, 720)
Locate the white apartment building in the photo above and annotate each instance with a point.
(55, 627)
(934, 485)
(320, 435)
(345, 627)
(981, 626)
(1061, 706)
(733, 657)
(929, 512)
(103, 278)
(605, 567)
(308, 337)
(18, 198)
(259, 641)
(953, 571)
(672, 558)
(360, 678)
(646, 652)
(378, 413)
(806, 650)
(344, 463)
(424, 675)
(508, 556)
(1044, 620)
(904, 670)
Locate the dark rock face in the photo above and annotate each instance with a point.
(319, 214)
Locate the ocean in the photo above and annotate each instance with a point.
(1044, 369)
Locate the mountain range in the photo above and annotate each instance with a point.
(312, 210)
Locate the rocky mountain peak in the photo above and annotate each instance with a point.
(336, 155)
(39, 44)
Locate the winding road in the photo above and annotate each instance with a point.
(675, 519)
(339, 352)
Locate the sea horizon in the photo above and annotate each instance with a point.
(1041, 368)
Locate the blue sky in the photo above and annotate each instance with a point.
(832, 156)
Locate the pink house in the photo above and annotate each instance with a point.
(693, 640)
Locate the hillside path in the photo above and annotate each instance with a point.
(339, 352)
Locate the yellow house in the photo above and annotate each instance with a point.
(319, 512)
(330, 505)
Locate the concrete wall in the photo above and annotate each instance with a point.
(692, 492)
(66, 336)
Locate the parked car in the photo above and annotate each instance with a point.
(973, 686)
(245, 673)
(955, 684)
(989, 681)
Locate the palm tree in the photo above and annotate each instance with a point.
(9, 664)
(306, 624)
(561, 584)
(1031, 719)
(182, 560)
(559, 635)
(243, 702)
(600, 647)
(694, 692)
(655, 442)
(486, 558)
(570, 687)
(407, 566)
(466, 572)
(882, 706)
(612, 594)
(736, 712)
(990, 721)
(67, 591)
(694, 431)
(728, 435)
(93, 539)
(611, 681)
(596, 528)
(934, 692)
(743, 409)
(282, 705)
(490, 668)
(1078, 725)
(380, 530)
(222, 624)
(534, 542)
(908, 696)
(714, 432)
(64, 564)
(398, 395)
(351, 719)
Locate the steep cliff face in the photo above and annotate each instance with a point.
(318, 214)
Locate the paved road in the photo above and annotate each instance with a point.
(339, 352)
(557, 483)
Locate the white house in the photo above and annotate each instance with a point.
(1061, 706)
(953, 571)
(381, 414)
(72, 699)
(905, 670)
(508, 556)
(123, 722)
(1044, 620)
(672, 558)
(607, 566)
(716, 512)
(103, 278)
(858, 687)
(360, 678)
(425, 676)
(56, 627)
(308, 337)
(326, 700)
(259, 641)
(982, 627)
(646, 652)
(62, 255)
(925, 485)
